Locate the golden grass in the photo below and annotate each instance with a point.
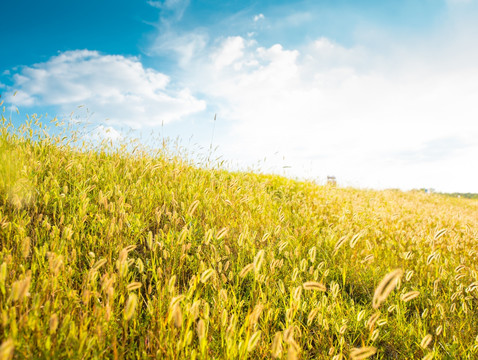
(114, 251)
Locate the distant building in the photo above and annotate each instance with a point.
(331, 180)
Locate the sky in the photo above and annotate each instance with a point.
(379, 94)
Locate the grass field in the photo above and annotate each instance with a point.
(109, 253)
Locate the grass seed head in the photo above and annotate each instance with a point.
(429, 356)
(314, 285)
(375, 334)
(355, 239)
(296, 295)
(388, 283)
(206, 275)
(362, 353)
(194, 310)
(276, 351)
(427, 339)
(133, 286)
(258, 260)
(3, 273)
(360, 315)
(282, 246)
(251, 345)
(224, 318)
(130, 306)
(293, 351)
(312, 254)
(99, 264)
(339, 244)
(373, 319)
(245, 270)
(201, 329)
(409, 296)
(177, 316)
(193, 207)
(20, 289)
(26, 246)
(7, 349)
(289, 334)
(255, 314)
(312, 315)
(53, 323)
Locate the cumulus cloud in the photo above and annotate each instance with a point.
(346, 111)
(230, 51)
(112, 86)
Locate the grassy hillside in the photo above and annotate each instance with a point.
(112, 254)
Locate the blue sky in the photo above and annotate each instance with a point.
(378, 93)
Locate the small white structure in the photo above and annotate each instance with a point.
(331, 180)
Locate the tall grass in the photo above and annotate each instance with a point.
(109, 253)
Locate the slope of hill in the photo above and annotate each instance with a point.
(462, 195)
(106, 253)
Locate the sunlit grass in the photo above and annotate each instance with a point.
(110, 253)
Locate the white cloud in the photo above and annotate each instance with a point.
(369, 120)
(258, 17)
(184, 47)
(111, 86)
(102, 132)
(168, 42)
(230, 50)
